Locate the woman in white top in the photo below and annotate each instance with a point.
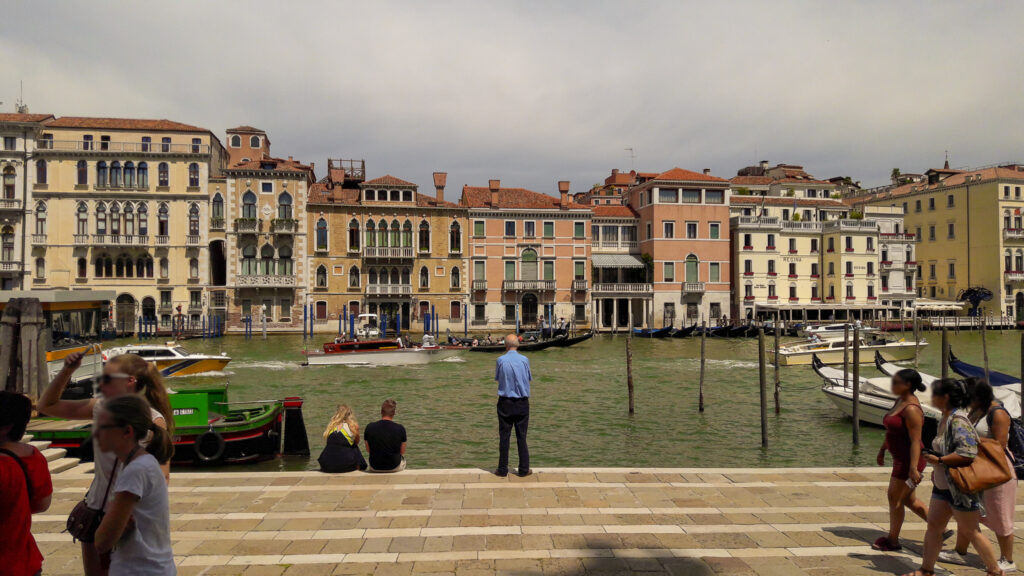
(122, 375)
(136, 530)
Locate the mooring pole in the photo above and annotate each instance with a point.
(856, 386)
(846, 356)
(763, 381)
(778, 381)
(984, 349)
(703, 336)
(945, 352)
(629, 361)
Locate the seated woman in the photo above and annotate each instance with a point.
(341, 454)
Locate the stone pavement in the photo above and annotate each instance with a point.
(767, 522)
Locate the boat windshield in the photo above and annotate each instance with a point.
(182, 351)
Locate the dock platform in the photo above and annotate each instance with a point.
(468, 522)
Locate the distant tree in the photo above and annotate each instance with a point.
(743, 191)
(895, 175)
(790, 192)
(796, 216)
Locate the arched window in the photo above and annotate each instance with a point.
(1019, 260)
(193, 175)
(40, 171)
(217, 206)
(353, 235)
(41, 218)
(382, 234)
(692, 273)
(353, 277)
(148, 261)
(82, 226)
(99, 267)
(140, 266)
(267, 259)
(236, 141)
(101, 174)
(129, 175)
(396, 234)
(193, 268)
(165, 268)
(254, 142)
(321, 276)
(394, 276)
(424, 236)
(115, 219)
(455, 276)
(119, 267)
(162, 220)
(284, 206)
(407, 234)
(143, 175)
(528, 265)
(115, 174)
(321, 234)
(83, 267)
(7, 244)
(83, 172)
(129, 219)
(193, 220)
(101, 218)
(424, 277)
(371, 234)
(143, 219)
(41, 268)
(9, 183)
(249, 205)
(455, 238)
(249, 259)
(108, 266)
(284, 261)
(406, 276)
(163, 175)
(384, 278)
(371, 276)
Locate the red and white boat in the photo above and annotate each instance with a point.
(380, 352)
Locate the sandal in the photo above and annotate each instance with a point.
(884, 545)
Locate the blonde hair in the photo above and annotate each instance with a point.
(148, 383)
(343, 415)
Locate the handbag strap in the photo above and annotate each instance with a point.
(24, 470)
(113, 476)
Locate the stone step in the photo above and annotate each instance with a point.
(62, 464)
(52, 454)
(27, 438)
(41, 444)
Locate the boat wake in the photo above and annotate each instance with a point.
(212, 373)
(732, 363)
(268, 365)
(454, 359)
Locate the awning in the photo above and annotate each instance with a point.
(929, 305)
(616, 261)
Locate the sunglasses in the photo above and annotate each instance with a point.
(106, 378)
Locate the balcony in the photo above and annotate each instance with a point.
(850, 225)
(165, 308)
(247, 225)
(132, 147)
(264, 281)
(753, 222)
(10, 266)
(522, 285)
(1014, 275)
(81, 239)
(120, 240)
(1013, 233)
(479, 285)
(10, 204)
(192, 240)
(283, 225)
(897, 237)
(216, 223)
(395, 252)
(802, 226)
(693, 287)
(624, 288)
(887, 265)
(613, 245)
(163, 240)
(389, 290)
(39, 239)
(579, 285)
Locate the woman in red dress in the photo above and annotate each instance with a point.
(903, 425)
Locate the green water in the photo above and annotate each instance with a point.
(578, 412)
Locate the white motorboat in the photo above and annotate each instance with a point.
(388, 352)
(833, 331)
(367, 327)
(1008, 394)
(831, 351)
(875, 396)
(172, 360)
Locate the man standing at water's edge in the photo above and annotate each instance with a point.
(512, 372)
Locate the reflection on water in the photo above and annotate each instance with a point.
(578, 404)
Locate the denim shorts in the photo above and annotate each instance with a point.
(947, 496)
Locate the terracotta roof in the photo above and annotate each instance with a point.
(751, 180)
(688, 176)
(612, 211)
(387, 180)
(647, 175)
(786, 201)
(431, 202)
(801, 181)
(24, 117)
(957, 179)
(480, 197)
(279, 165)
(247, 129)
(320, 193)
(122, 124)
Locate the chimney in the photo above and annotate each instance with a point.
(290, 159)
(764, 164)
(615, 171)
(563, 193)
(494, 185)
(707, 171)
(440, 179)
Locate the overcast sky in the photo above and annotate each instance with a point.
(533, 93)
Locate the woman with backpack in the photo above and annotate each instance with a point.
(991, 420)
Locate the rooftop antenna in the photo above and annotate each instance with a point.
(946, 165)
(19, 106)
(632, 157)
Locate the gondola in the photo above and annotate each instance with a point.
(566, 341)
(970, 371)
(653, 333)
(720, 332)
(736, 331)
(523, 347)
(684, 332)
(751, 331)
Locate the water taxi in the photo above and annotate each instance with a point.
(172, 360)
(833, 331)
(384, 352)
(831, 351)
(367, 327)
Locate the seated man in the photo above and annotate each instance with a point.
(385, 441)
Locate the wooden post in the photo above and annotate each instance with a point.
(984, 349)
(703, 337)
(945, 352)
(778, 382)
(763, 380)
(856, 386)
(629, 360)
(1022, 369)
(846, 356)
(917, 340)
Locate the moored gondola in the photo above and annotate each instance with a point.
(652, 332)
(736, 331)
(523, 347)
(566, 341)
(719, 332)
(684, 332)
(971, 371)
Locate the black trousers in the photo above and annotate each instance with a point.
(513, 413)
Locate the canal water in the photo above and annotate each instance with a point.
(578, 407)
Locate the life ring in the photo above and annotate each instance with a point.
(209, 446)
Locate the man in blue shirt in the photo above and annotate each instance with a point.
(513, 375)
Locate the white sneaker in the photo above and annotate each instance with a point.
(953, 557)
(1007, 566)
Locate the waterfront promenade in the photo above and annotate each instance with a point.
(766, 522)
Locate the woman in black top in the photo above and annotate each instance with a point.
(342, 454)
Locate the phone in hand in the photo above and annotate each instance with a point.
(911, 484)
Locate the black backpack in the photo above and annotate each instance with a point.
(1015, 442)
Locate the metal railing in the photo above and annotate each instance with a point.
(139, 147)
(613, 245)
(388, 289)
(517, 285)
(265, 280)
(693, 287)
(624, 288)
(216, 223)
(10, 204)
(388, 252)
(283, 226)
(247, 225)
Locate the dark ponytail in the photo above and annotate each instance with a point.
(981, 392)
(134, 411)
(912, 378)
(955, 391)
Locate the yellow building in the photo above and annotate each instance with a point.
(969, 232)
(18, 135)
(382, 247)
(123, 204)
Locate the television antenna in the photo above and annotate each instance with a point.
(632, 157)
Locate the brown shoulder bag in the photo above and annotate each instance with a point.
(988, 469)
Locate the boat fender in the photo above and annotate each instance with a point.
(209, 446)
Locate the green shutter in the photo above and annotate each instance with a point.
(549, 229)
(510, 270)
